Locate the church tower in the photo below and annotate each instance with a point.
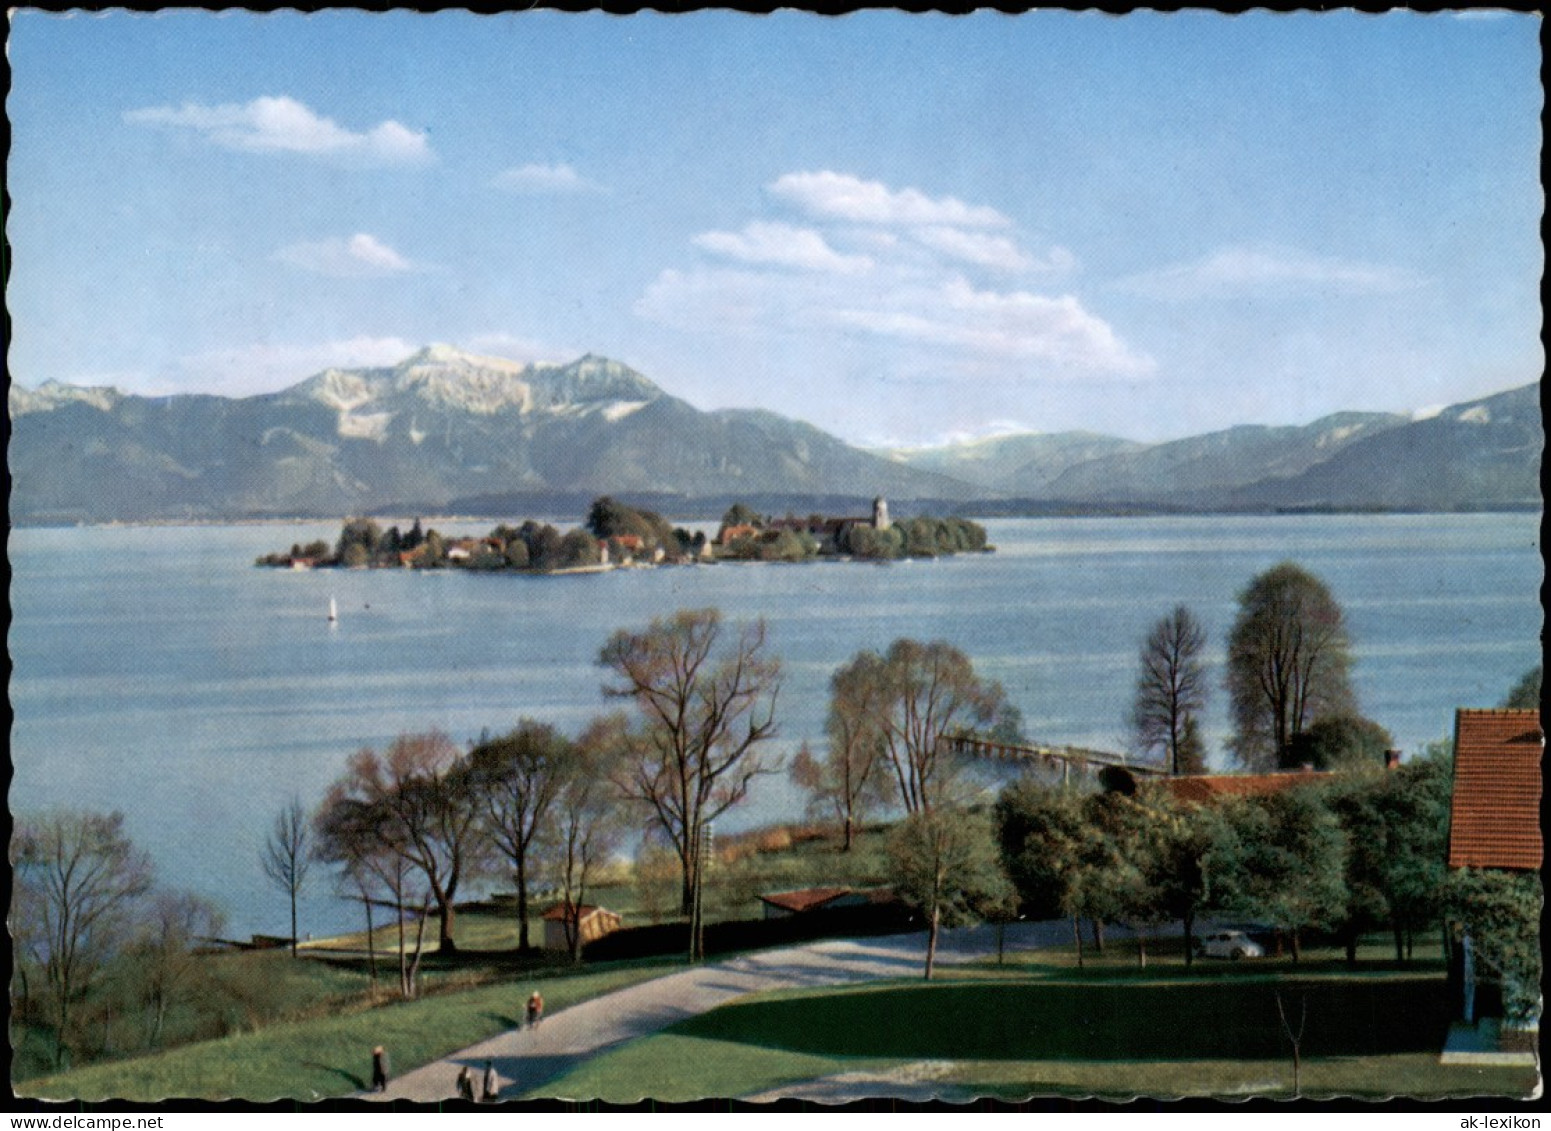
(880, 513)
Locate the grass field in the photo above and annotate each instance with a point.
(1041, 1027)
(331, 1055)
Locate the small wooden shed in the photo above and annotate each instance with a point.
(593, 922)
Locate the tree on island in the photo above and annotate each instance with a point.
(608, 518)
(359, 542)
(1288, 664)
(705, 702)
(288, 855)
(740, 514)
(1171, 690)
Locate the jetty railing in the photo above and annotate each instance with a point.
(965, 746)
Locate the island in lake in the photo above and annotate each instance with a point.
(616, 534)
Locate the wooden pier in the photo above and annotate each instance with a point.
(1065, 756)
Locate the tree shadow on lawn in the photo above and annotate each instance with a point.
(1232, 1020)
(357, 1082)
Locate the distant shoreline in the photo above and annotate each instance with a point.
(989, 510)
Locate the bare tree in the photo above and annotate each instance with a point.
(706, 703)
(1288, 663)
(585, 829)
(1171, 689)
(515, 779)
(927, 691)
(1295, 1039)
(165, 953)
(414, 802)
(358, 837)
(852, 778)
(80, 877)
(288, 855)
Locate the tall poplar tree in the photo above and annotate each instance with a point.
(1171, 691)
(1289, 662)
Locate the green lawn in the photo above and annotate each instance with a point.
(1060, 1031)
(330, 1056)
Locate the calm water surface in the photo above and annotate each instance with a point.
(158, 672)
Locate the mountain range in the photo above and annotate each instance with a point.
(448, 431)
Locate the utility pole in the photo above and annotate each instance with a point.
(703, 845)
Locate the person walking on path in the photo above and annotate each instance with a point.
(465, 1084)
(535, 1009)
(379, 1069)
(492, 1090)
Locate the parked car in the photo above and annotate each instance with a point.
(1229, 944)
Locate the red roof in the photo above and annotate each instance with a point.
(805, 900)
(740, 530)
(1494, 817)
(1202, 788)
(560, 911)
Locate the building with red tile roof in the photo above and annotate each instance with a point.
(781, 904)
(1202, 789)
(1494, 816)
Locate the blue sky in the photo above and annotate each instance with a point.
(900, 228)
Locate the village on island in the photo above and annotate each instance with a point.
(617, 535)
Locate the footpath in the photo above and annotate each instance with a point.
(525, 1058)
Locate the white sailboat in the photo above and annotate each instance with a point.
(333, 612)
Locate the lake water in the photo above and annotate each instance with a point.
(158, 672)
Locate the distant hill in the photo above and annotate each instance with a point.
(1478, 454)
(1201, 466)
(440, 426)
(450, 432)
(1023, 463)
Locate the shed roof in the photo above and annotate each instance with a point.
(559, 911)
(806, 899)
(1203, 788)
(1494, 819)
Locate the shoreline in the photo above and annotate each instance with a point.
(1056, 512)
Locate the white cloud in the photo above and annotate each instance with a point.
(359, 256)
(1236, 269)
(283, 125)
(979, 248)
(781, 245)
(266, 366)
(947, 315)
(538, 179)
(840, 196)
(1011, 325)
(888, 264)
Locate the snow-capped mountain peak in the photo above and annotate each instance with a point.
(54, 394)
